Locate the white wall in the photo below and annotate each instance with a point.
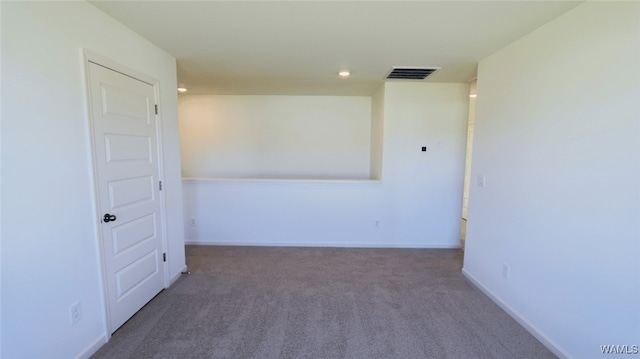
(291, 137)
(425, 187)
(0, 186)
(49, 244)
(377, 132)
(557, 135)
(284, 212)
(417, 203)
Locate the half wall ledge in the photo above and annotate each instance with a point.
(282, 181)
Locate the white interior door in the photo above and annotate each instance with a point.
(124, 125)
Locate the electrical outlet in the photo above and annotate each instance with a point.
(482, 180)
(193, 221)
(76, 312)
(505, 270)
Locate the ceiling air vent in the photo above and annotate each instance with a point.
(410, 73)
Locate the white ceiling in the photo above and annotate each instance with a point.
(298, 47)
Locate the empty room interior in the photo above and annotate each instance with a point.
(374, 179)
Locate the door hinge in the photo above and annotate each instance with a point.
(160, 185)
(156, 109)
(164, 257)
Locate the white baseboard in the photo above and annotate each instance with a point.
(93, 347)
(532, 329)
(324, 244)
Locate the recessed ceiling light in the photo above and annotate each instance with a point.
(182, 89)
(344, 73)
(473, 95)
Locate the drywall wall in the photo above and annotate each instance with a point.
(294, 137)
(557, 135)
(377, 130)
(284, 213)
(0, 187)
(417, 204)
(50, 256)
(425, 191)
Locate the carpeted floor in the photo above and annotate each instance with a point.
(266, 302)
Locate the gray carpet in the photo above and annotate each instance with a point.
(266, 302)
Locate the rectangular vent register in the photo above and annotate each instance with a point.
(410, 73)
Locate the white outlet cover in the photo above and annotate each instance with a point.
(505, 270)
(482, 180)
(76, 312)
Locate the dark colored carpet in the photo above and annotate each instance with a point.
(266, 302)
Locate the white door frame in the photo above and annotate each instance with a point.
(91, 57)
